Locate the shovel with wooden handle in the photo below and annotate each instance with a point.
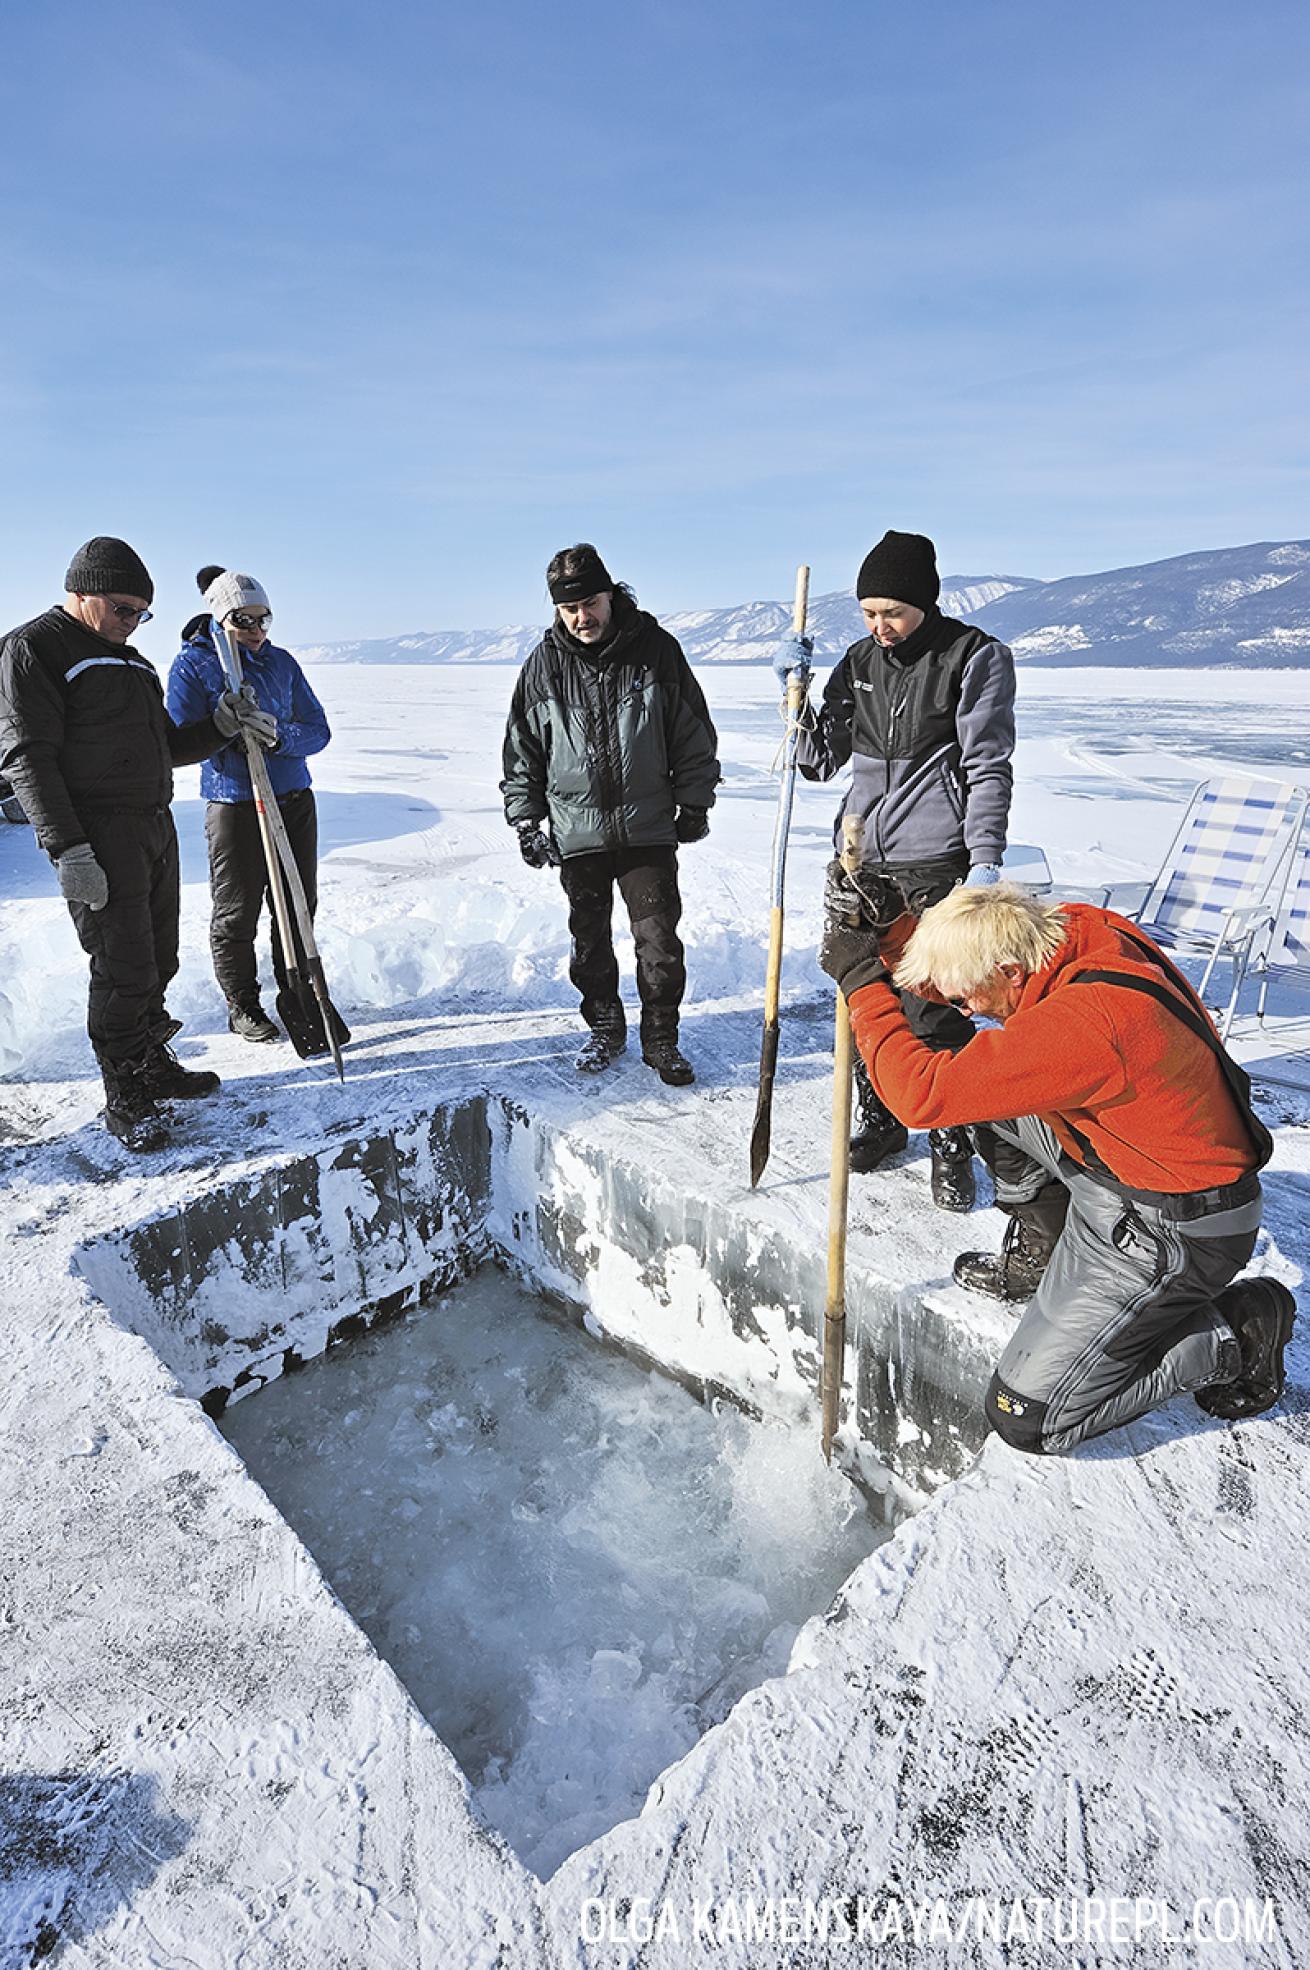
(309, 1005)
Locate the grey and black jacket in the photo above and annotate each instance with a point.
(83, 729)
(929, 729)
(608, 742)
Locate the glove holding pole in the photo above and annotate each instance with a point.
(239, 713)
(859, 912)
(302, 1016)
(792, 664)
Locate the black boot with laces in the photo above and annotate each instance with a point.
(604, 1044)
(661, 1051)
(878, 1134)
(249, 1021)
(169, 1080)
(952, 1169)
(1261, 1313)
(1011, 1273)
(132, 1114)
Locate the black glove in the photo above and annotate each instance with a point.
(869, 897)
(536, 847)
(849, 953)
(691, 823)
(842, 904)
(855, 908)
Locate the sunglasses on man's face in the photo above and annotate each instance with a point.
(126, 613)
(250, 618)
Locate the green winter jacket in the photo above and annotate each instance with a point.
(608, 743)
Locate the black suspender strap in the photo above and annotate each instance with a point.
(1238, 1081)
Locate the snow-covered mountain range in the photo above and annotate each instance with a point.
(1236, 608)
(746, 634)
(1231, 608)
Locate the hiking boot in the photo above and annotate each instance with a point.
(672, 1065)
(131, 1111)
(164, 1030)
(873, 1144)
(605, 1042)
(1015, 1271)
(600, 1049)
(169, 1080)
(879, 1134)
(952, 1169)
(251, 1022)
(1261, 1313)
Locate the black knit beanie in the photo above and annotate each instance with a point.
(591, 576)
(106, 566)
(901, 568)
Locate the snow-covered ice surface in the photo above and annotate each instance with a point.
(1080, 1676)
(573, 1565)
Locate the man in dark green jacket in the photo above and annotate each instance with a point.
(610, 740)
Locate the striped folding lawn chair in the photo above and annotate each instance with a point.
(1286, 950)
(1222, 878)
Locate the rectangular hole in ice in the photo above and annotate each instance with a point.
(575, 1567)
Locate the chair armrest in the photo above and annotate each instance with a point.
(1139, 890)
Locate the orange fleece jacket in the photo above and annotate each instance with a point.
(1123, 1070)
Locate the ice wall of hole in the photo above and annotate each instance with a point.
(255, 1277)
(573, 1565)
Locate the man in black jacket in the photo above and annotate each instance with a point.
(86, 740)
(923, 708)
(609, 738)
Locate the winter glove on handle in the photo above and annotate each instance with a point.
(842, 903)
(81, 878)
(536, 847)
(236, 713)
(691, 823)
(849, 953)
(793, 653)
(868, 897)
(982, 875)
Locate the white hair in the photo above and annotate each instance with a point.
(961, 941)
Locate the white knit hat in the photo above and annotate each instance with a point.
(230, 591)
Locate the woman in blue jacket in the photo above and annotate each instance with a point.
(237, 873)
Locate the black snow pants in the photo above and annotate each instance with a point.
(238, 881)
(132, 942)
(648, 882)
(1124, 1316)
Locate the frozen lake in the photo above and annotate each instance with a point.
(425, 902)
(574, 1566)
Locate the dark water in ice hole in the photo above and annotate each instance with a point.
(573, 1566)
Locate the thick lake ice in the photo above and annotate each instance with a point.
(573, 1565)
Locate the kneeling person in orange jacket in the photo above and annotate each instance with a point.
(1124, 1147)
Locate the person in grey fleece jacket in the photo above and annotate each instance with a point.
(923, 708)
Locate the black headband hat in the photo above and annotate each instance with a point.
(902, 568)
(105, 566)
(592, 577)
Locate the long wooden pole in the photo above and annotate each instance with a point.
(834, 1311)
(761, 1132)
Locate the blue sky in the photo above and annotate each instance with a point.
(386, 302)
